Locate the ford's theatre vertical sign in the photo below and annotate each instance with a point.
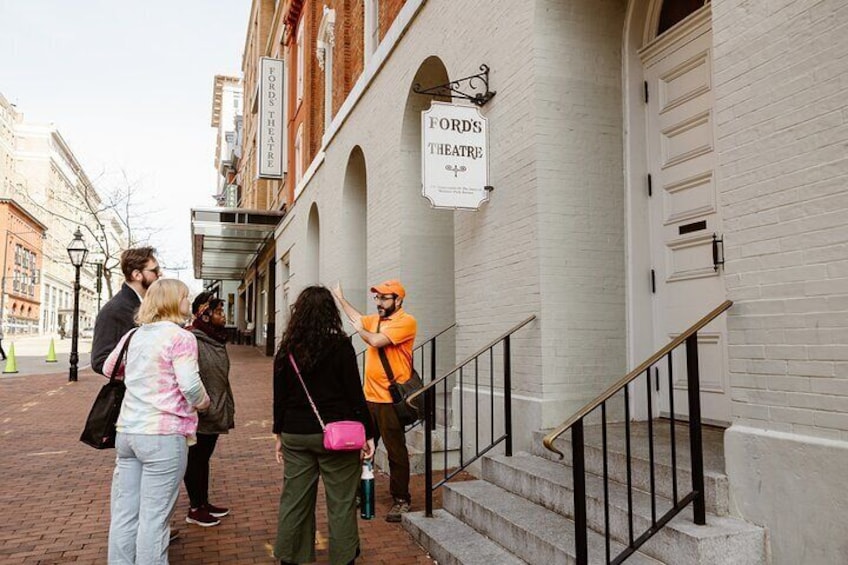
(270, 154)
(454, 156)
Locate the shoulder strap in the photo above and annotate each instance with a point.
(387, 367)
(303, 384)
(122, 358)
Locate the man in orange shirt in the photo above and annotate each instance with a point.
(389, 334)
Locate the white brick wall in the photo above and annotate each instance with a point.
(548, 242)
(782, 129)
(581, 198)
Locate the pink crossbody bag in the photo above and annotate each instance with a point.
(345, 435)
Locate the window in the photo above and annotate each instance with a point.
(324, 51)
(675, 11)
(372, 27)
(301, 62)
(298, 155)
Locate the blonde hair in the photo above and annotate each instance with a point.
(162, 302)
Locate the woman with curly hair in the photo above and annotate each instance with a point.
(325, 357)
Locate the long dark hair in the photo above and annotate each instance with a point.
(314, 323)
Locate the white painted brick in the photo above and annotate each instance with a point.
(792, 415)
(828, 403)
(788, 384)
(816, 431)
(750, 411)
(769, 367)
(748, 351)
(830, 386)
(833, 420)
(827, 288)
(545, 236)
(786, 352)
(811, 369)
(769, 397)
(829, 352)
(837, 269)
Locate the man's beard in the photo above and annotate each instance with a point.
(386, 312)
(145, 284)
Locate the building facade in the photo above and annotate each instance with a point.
(649, 159)
(20, 287)
(228, 120)
(50, 185)
(9, 118)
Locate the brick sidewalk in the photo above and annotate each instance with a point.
(55, 491)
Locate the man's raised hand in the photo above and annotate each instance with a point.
(337, 290)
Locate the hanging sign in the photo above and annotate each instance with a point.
(454, 156)
(270, 152)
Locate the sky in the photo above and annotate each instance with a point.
(129, 86)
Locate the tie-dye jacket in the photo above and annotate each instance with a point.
(162, 379)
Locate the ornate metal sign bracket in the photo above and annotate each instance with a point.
(468, 88)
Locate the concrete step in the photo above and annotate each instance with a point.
(715, 480)
(723, 540)
(527, 530)
(451, 542)
(415, 447)
(440, 437)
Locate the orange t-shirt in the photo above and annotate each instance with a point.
(400, 328)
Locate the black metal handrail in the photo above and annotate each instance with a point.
(575, 423)
(430, 390)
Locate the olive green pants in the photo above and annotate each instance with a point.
(306, 459)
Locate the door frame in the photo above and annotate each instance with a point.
(640, 24)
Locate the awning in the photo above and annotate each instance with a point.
(225, 241)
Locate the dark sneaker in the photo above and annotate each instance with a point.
(217, 511)
(201, 517)
(399, 508)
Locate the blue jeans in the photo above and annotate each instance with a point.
(145, 485)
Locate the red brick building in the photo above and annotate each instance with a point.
(20, 288)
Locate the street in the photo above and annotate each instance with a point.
(56, 489)
(31, 354)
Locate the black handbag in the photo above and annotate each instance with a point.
(99, 430)
(406, 414)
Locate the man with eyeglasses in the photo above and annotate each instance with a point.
(117, 317)
(389, 335)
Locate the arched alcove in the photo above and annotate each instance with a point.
(427, 242)
(427, 239)
(313, 248)
(354, 228)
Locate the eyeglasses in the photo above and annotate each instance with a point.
(384, 297)
(157, 271)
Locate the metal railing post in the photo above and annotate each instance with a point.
(429, 419)
(579, 473)
(432, 378)
(695, 440)
(507, 397)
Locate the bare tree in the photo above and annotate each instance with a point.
(122, 211)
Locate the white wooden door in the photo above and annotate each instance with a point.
(684, 214)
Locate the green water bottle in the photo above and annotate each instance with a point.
(366, 488)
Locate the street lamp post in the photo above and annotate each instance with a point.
(77, 252)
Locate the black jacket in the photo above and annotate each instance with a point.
(116, 318)
(215, 373)
(333, 384)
